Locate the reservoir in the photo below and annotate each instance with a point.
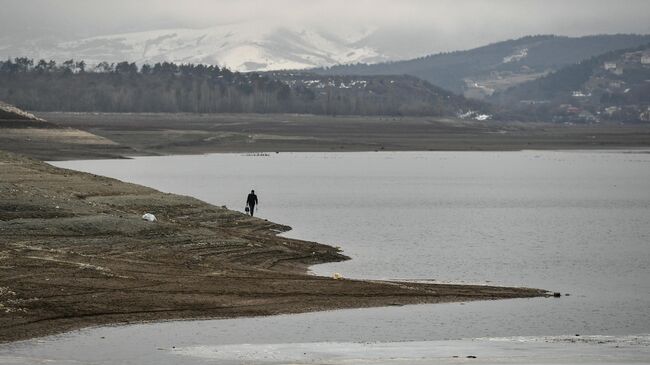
(573, 222)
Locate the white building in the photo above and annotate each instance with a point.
(609, 66)
(645, 58)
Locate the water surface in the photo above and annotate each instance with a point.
(574, 222)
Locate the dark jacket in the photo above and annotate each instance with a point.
(251, 200)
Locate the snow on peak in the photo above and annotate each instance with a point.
(241, 47)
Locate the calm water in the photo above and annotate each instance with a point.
(574, 222)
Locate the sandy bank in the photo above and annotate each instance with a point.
(74, 252)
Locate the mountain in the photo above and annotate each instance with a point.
(240, 47)
(476, 73)
(614, 86)
(479, 72)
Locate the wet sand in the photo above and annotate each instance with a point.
(74, 252)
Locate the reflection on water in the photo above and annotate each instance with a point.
(575, 222)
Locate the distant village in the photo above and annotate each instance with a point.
(618, 91)
(614, 93)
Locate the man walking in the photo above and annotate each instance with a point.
(251, 201)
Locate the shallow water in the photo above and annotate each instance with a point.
(575, 222)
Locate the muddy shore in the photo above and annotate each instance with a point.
(74, 252)
(112, 135)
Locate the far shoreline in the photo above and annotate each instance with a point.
(118, 135)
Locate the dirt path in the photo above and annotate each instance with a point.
(74, 252)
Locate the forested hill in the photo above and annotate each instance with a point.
(167, 87)
(482, 71)
(614, 86)
(381, 95)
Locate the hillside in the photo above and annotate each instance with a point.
(381, 95)
(611, 87)
(481, 71)
(9, 113)
(167, 87)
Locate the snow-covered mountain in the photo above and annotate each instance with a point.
(242, 47)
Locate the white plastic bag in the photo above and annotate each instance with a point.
(149, 217)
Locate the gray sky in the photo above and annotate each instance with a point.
(413, 27)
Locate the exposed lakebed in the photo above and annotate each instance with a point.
(573, 222)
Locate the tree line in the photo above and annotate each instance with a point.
(168, 87)
(125, 87)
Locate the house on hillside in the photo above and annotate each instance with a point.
(587, 117)
(645, 116)
(611, 110)
(534, 102)
(616, 84)
(608, 66)
(573, 110)
(645, 58)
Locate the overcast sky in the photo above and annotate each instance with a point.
(410, 26)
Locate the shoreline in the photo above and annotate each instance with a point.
(75, 253)
(632, 149)
(114, 135)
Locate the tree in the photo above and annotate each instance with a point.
(68, 66)
(23, 64)
(145, 69)
(80, 66)
(42, 66)
(126, 68)
(104, 67)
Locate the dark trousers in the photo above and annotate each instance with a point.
(251, 208)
